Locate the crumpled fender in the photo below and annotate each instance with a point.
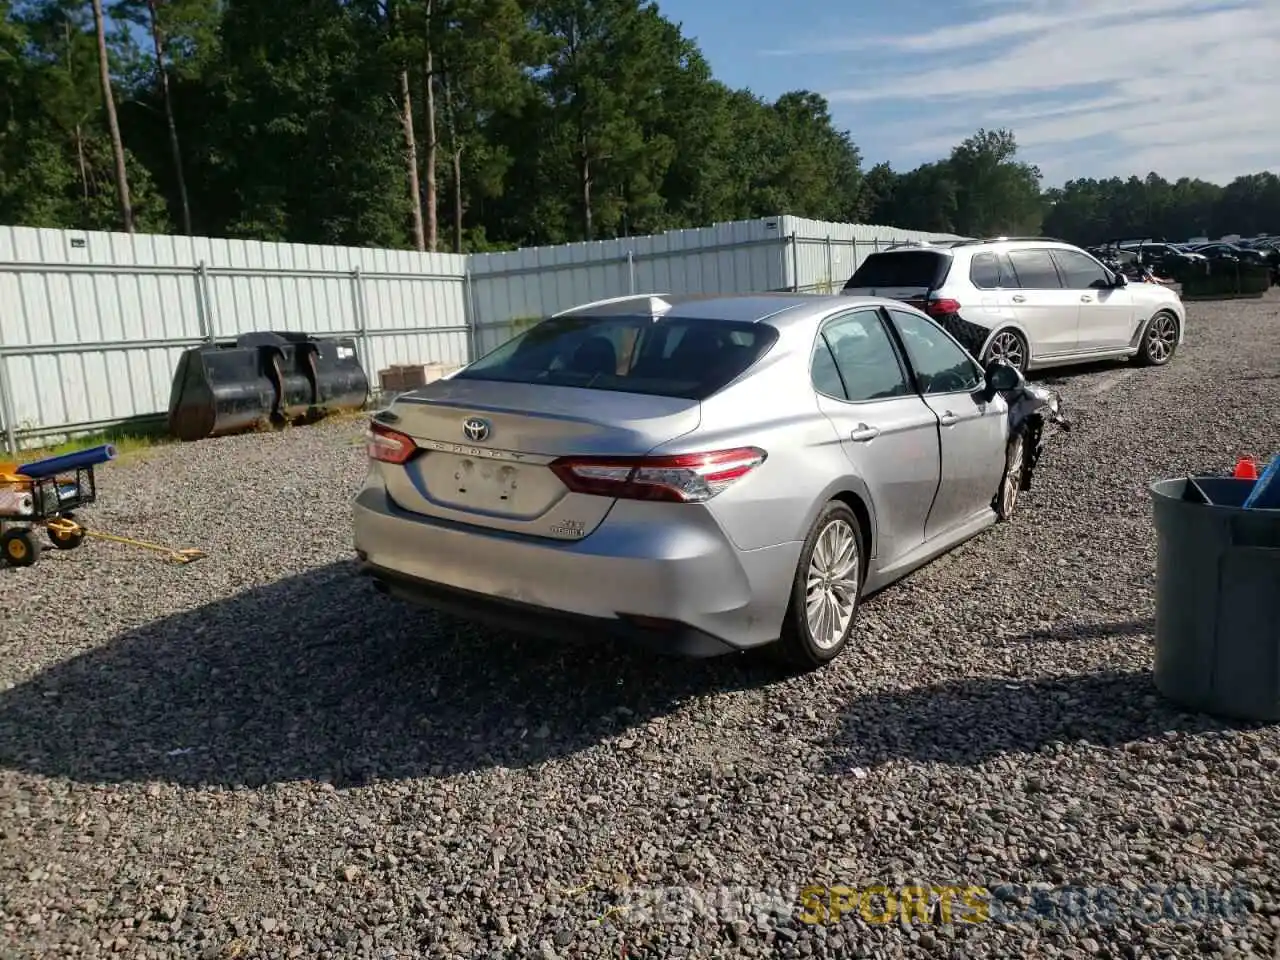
(1031, 406)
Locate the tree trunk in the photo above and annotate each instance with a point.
(432, 202)
(457, 200)
(411, 161)
(79, 130)
(456, 148)
(84, 167)
(410, 140)
(157, 40)
(113, 125)
(584, 176)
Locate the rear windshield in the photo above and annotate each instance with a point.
(667, 357)
(901, 268)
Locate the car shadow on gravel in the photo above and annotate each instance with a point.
(318, 677)
(1087, 631)
(971, 721)
(1060, 376)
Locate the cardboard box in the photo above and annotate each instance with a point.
(401, 378)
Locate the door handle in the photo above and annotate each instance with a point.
(1019, 298)
(864, 432)
(1085, 298)
(948, 419)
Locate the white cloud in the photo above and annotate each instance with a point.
(1090, 88)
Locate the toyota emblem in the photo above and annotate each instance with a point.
(476, 429)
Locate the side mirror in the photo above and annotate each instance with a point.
(999, 376)
(1118, 280)
(1002, 376)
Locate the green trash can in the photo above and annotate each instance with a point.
(1217, 645)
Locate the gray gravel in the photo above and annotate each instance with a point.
(257, 755)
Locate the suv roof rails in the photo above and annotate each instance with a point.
(1010, 239)
(1118, 240)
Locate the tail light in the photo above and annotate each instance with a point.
(387, 445)
(685, 478)
(942, 308)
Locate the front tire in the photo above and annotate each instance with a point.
(1015, 461)
(19, 547)
(825, 593)
(1159, 341)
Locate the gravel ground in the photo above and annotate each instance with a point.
(256, 755)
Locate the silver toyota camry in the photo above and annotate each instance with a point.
(703, 473)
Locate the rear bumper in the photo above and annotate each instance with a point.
(638, 577)
(674, 638)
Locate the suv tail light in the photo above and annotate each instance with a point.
(685, 478)
(387, 445)
(942, 308)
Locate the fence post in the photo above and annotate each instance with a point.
(631, 272)
(362, 321)
(204, 304)
(471, 314)
(6, 409)
(831, 268)
(795, 262)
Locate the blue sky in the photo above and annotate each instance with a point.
(1091, 88)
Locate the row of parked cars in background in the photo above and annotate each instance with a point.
(1173, 260)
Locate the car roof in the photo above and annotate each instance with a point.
(776, 307)
(972, 246)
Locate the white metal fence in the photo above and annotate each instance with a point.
(92, 324)
(745, 256)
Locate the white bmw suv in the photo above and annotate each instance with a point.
(1033, 302)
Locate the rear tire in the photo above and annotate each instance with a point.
(1159, 341)
(1008, 345)
(66, 541)
(825, 593)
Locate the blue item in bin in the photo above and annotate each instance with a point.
(1265, 494)
(52, 466)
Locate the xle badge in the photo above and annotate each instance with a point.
(569, 528)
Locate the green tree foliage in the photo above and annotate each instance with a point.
(528, 122)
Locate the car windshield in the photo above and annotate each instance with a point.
(667, 356)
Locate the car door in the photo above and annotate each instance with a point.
(888, 432)
(972, 433)
(1048, 313)
(997, 286)
(1106, 312)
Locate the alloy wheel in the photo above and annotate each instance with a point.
(831, 592)
(1008, 347)
(1013, 462)
(1162, 338)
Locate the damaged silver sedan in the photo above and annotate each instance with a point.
(704, 474)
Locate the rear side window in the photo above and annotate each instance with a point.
(1035, 270)
(668, 357)
(926, 269)
(865, 358)
(991, 271)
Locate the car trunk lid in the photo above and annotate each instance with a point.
(486, 447)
